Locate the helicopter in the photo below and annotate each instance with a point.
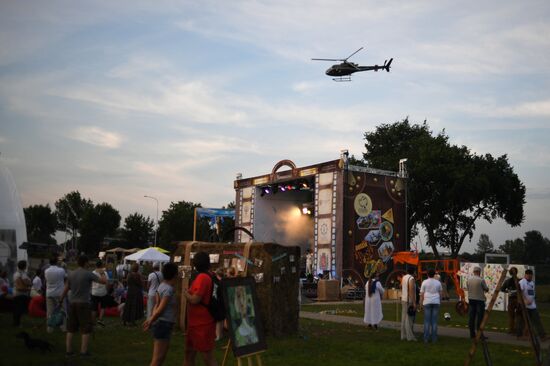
(343, 71)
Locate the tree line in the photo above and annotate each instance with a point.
(92, 227)
(533, 248)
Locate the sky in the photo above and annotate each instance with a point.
(121, 99)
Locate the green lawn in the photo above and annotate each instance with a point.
(498, 320)
(318, 343)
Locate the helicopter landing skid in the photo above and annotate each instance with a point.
(342, 78)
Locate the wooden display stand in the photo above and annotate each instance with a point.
(250, 358)
(328, 290)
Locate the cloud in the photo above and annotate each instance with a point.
(538, 193)
(97, 136)
(490, 108)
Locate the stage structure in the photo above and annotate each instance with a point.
(351, 218)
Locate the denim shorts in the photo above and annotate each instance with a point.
(162, 329)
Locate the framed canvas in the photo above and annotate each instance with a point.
(243, 317)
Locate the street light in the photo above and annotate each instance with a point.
(157, 224)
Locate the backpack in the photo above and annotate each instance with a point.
(216, 307)
(57, 317)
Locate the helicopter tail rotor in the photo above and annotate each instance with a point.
(387, 67)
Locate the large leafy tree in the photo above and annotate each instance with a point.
(449, 188)
(97, 222)
(41, 223)
(484, 245)
(138, 229)
(532, 249)
(515, 248)
(69, 211)
(537, 247)
(176, 223)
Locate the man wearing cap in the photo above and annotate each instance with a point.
(527, 286)
(476, 300)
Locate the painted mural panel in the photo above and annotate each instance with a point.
(374, 224)
(247, 209)
(324, 260)
(247, 193)
(491, 273)
(325, 178)
(325, 201)
(324, 231)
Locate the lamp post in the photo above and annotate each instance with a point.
(157, 223)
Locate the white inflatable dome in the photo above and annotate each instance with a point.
(13, 231)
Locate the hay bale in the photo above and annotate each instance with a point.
(278, 289)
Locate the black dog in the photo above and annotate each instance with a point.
(35, 343)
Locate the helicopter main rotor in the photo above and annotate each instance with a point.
(337, 59)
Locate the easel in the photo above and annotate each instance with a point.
(250, 357)
(479, 335)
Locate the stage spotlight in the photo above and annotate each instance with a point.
(282, 188)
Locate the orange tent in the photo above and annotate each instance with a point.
(405, 257)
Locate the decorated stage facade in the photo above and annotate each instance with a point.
(350, 218)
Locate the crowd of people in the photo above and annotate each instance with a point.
(428, 296)
(85, 296)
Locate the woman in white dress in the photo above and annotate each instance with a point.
(373, 302)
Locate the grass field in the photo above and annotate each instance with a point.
(498, 320)
(318, 343)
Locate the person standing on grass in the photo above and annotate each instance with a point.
(153, 282)
(36, 289)
(527, 286)
(408, 298)
(373, 302)
(55, 282)
(219, 273)
(476, 300)
(133, 308)
(201, 327)
(99, 294)
(163, 316)
(79, 282)
(430, 298)
(21, 294)
(509, 286)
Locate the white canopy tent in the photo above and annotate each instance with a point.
(148, 255)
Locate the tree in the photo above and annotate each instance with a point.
(484, 245)
(449, 188)
(176, 223)
(537, 247)
(41, 224)
(138, 229)
(97, 222)
(515, 248)
(69, 211)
